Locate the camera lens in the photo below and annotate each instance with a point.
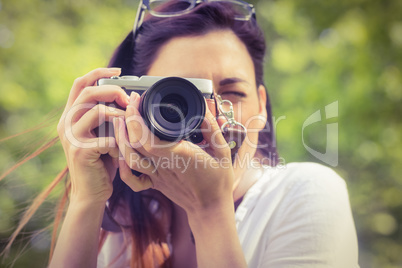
(173, 108)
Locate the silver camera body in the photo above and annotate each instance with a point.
(173, 108)
(140, 84)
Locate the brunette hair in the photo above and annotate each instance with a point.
(135, 58)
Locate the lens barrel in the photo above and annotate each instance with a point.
(173, 108)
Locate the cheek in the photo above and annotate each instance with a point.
(249, 116)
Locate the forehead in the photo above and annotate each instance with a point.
(214, 55)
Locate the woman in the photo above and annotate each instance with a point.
(200, 210)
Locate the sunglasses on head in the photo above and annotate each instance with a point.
(244, 10)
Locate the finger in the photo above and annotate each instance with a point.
(96, 147)
(94, 118)
(133, 158)
(114, 151)
(211, 104)
(91, 96)
(104, 93)
(138, 133)
(140, 137)
(108, 145)
(213, 135)
(137, 184)
(89, 80)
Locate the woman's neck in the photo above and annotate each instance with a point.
(247, 178)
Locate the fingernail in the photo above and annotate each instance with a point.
(212, 101)
(114, 70)
(112, 110)
(122, 122)
(116, 122)
(127, 98)
(133, 97)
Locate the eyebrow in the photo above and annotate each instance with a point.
(231, 80)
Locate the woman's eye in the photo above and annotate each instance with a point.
(236, 94)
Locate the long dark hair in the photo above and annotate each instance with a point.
(135, 58)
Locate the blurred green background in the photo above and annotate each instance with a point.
(343, 54)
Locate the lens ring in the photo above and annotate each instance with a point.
(152, 105)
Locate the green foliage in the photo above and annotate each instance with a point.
(321, 52)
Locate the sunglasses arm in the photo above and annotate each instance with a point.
(139, 17)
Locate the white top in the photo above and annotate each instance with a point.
(296, 215)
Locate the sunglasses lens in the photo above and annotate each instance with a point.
(179, 7)
(242, 9)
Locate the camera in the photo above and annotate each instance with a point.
(173, 108)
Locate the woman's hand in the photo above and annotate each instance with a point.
(92, 160)
(200, 181)
(197, 180)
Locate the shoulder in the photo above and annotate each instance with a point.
(295, 188)
(296, 212)
(304, 178)
(292, 192)
(307, 171)
(308, 195)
